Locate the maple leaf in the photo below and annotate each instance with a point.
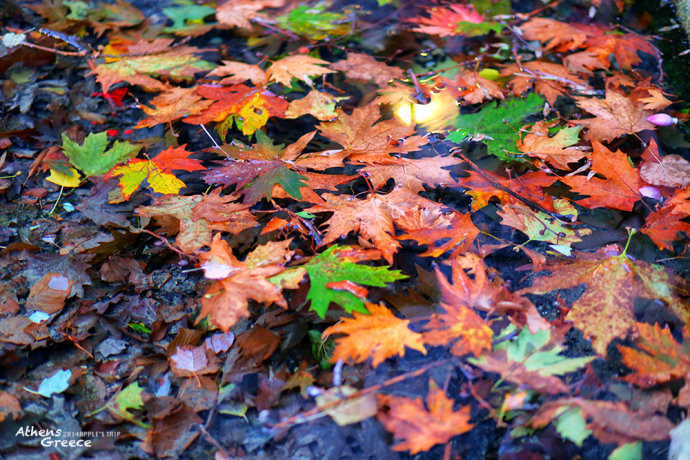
(556, 150)
(482, 187)
(227, 300)
(93, 158)
(482, 293)
(239, 72)
(299, 66)
(198, 215)
(440, 231)
(620, 189)
(539, 226)
(422, 427)
(531, 359)
(472, 88)
(172, 105)
(157, 172)
(318, 104)
(249, 107)
(239, 13)
(663, 225)
(148, 59)
(548, 79)
(610, 422)
(462, 327)
(365, 141)
(660, 358)
(377, 335)
(455, 20)
(371, 218)
(362, 67)
(414, 173)
(605, 310)
(337, 264)
(258, 169)
(560, 36)
(314, 22)
(616, 115)
(498, 126)
(624, 47)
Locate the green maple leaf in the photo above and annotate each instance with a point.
(129, 398)
(497, 126)
(330, 266)
(534, 352)
(314, 22)
(92, 158)
(186, 13)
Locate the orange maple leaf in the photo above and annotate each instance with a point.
(366, 141)
(143, 60)
(414, 173)
(239, 13)
(461, 327)
(529, 185)
(547, 78)
(483, 293)
(362, 67)
(440, 231)
(378, 335)
(663, 225)
(559, 36)
(249, 107)
(299, 66)
(620, 189)
(660, 358)
(172, 105)
(599, 41)
(557, 150)
(239, 72)
(370, 217)
(227, 300)
(616, 116)
(421, 428)
(472, 88)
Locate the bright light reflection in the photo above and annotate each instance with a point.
(438, 113)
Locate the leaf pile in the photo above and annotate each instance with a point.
(445, 221)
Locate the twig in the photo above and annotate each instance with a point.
(318, 411)
(530, 203)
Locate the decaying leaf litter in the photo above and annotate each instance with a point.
(342, 229)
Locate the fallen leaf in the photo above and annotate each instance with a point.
(419, 427)
(616, 115)
(605, 311)
(362, 67)
(557, 150)
(620, 189)
(377, 335)
(350, 409)
(157, 172)
(299, 66)
(227, 300)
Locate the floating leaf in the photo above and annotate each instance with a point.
(498, 125)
